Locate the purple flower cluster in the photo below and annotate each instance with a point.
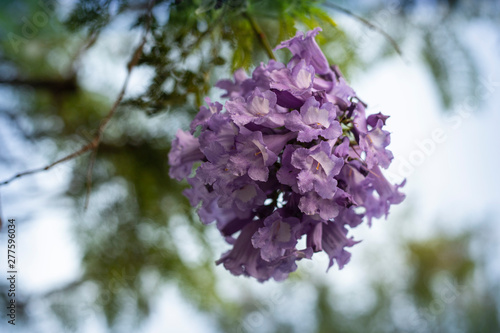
(290, 154)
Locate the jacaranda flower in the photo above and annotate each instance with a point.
(291, 154)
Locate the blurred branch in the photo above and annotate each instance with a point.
(367, 23)
(55, 85)
(261, 36)
(77, 153)
(94, 144)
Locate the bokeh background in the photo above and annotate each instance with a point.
(137, 259)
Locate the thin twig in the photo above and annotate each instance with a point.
(90, 146)
(94, 144)
(368, 24)
(77, 153)
(131, 64)
(260, 35)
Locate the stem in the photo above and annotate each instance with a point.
(260, 35)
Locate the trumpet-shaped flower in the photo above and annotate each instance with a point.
(290, 154)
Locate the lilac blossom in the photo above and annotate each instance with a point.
(314, 121)
(374, 143)
(260, 108)
(205, 113)
(290, 154)
(305, 47)
(278, 235)
(297, 80)
(318, 167)
(185, 151)
(254, 157)
(334, 240)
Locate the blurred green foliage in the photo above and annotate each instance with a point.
(131, 237)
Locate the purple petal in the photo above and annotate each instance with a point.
(305, 46)
(205, 114)
(314, 121)
(252, 157)
(373, 119)
(297, 81)
(245, 259)
(259, 108)
(184, 152)
(334, 241)
(287, 174)
(312, 204)
(287, 100)
(278, 235)
(318, 167)
(374, 144)
(315, 234)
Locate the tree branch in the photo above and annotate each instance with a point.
(55, 85)
(260, 35)
(94, 144)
